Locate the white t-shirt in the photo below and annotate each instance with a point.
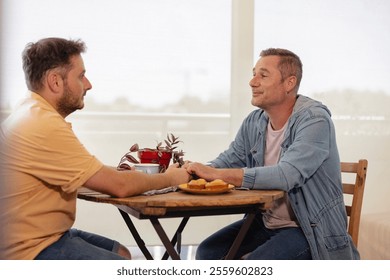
(280, 214)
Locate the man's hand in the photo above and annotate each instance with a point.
(200, 170)
(178, 175)
(232, 176)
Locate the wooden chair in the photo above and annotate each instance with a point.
(355, 190)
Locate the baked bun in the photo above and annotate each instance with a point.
(197, 184)
(217, 184)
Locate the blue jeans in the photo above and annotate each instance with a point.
(80, 245)
(260, 243)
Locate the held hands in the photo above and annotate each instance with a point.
(200, 170)
(190, 170)
(232, 176)
(178, 175)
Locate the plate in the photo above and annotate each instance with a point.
(185, 188)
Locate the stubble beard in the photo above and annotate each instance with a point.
(68, 103)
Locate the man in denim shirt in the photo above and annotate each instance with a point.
(289, 143)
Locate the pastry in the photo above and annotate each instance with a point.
(197, 184)
(217, 184)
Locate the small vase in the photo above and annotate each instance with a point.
(154, 156)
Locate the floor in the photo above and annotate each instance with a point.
(187, 252)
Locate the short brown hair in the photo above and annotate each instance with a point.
(47, 54)
(289, 65)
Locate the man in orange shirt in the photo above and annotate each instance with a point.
(43, 163)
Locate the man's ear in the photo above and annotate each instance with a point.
(54, 81)
(290, 83)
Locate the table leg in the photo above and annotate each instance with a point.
(241, 235)
(164, 238)
(177, 237)
(137, 237)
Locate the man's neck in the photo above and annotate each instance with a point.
(278, 116)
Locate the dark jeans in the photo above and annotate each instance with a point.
(260, 242)
(80, 245)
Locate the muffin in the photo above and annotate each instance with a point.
(198, 184)
(217, 184)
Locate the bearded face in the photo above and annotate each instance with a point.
(75, 87)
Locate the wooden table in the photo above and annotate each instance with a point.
(185, 205)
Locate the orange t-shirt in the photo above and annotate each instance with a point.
(42, 165)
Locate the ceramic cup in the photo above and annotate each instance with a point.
(149, 168)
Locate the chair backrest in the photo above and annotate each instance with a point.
(356, 190)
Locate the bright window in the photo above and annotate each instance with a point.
(142, 55)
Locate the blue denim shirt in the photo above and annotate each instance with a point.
(308, 170)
